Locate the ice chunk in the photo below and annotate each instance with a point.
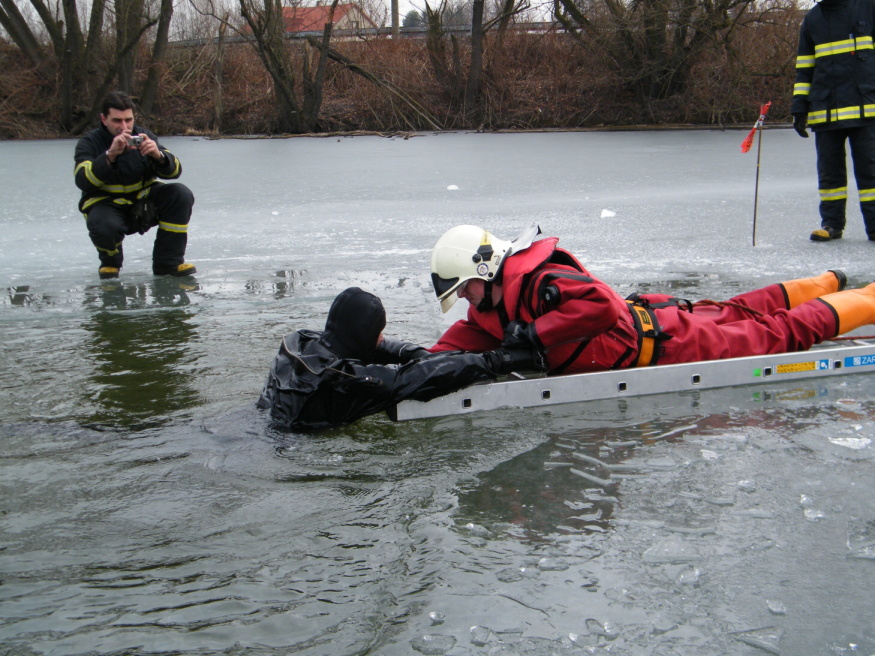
(690, 576)
(480, 635)
(670, 550)
(607, 630)
(861, 539)
(552, 565)
(607, 214)
(433, 644)
(452, 187)
(767, 638)
(436, 618)
(776, 607)
(747, 486)
(856, 443)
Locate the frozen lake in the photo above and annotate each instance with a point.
(147, 509)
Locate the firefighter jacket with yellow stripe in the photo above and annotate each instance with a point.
(835, 65)
(580, 324)
(124, 181)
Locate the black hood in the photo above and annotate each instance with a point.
(355, 321)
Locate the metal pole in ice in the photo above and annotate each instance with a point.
(745, 146)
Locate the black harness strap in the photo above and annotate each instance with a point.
(649, 333)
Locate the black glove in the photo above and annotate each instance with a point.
(503, 361)
(800, 122)
(393, 351)
(520, 336)
(143, 215)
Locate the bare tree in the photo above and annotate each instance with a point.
(653, 43)
(159, 50)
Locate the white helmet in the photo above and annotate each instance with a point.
(463, 253)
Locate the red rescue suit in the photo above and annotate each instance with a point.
(583, 325)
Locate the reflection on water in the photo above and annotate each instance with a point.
(142, 362)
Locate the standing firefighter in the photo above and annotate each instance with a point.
(117, 168)
(834, 94)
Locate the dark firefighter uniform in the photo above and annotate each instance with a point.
(329, 378)
(835, 92)
(579, 324)
(112, 191)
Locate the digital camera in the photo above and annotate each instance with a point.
(135, 140)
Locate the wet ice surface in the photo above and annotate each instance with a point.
(147, 508)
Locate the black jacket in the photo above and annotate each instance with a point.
(835, 65)
(123, 181)
(311, 387)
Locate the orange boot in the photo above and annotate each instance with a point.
(797, 292)
(853, 308)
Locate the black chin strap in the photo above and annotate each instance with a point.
(486, 304)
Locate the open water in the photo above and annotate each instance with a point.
(146, 508)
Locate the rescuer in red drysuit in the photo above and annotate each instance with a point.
(531, 292)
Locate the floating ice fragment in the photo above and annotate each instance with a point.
(856, 443)
(776, 607)
(690, 576)
(604, 482)
(452, 187)
(275, 213)
(436, 618)
(510, 575)
(767, 638)
(607, 630)
(480, 635)
(477, 530)
(552, 565)
(721, 501)
(607, 214)
(710, 455)
(747, 486)
(670, 550)
(861, 539)
(812, 514)
(433, 644)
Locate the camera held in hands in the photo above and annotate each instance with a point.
(135, 140)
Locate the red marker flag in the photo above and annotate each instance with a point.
(748, 140)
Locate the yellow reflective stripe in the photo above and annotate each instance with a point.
(801, 88)
(89, 173)
(172, 227)
(867, 195)
(841, 114)
(109, 252)
(91, 201)
(805, 61)
(123, 189)
(841, 47)
(839, 193)
(175, 169)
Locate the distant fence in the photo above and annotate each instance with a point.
(418, 32)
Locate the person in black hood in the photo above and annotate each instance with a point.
(834, 95)
(349, 370)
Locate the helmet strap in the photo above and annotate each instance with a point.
(486, 304)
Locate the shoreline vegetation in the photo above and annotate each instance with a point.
(712, 73)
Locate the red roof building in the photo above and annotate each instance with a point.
(314, 19)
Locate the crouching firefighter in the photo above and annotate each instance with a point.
(529, 293)
(328, 378)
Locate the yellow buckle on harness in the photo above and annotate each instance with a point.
(647, 330)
